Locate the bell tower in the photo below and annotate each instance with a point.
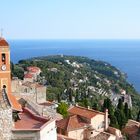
(5, 73)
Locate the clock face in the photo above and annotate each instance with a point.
(3, 67)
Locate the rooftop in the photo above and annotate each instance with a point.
(84, 112)
(3, 43)
(47, 103)
(132, 129)
(14, 103)
(29, 121)
(71, 123)
(62, 137)
(101, 136)
(33, 69)
(28, 75)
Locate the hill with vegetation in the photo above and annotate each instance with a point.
(75, 79)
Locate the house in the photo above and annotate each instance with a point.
(32, 74)
(87, 124)
(34, 70)
(28, 77)
(132, 130)
(33, 127)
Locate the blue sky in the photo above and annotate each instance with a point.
(70, 19)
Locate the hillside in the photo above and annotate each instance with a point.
(80, 79)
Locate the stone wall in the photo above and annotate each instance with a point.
(6, 123)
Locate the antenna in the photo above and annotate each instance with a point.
(1, 32)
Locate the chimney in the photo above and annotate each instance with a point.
(88, 107)
(106, 119)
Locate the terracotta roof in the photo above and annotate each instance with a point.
(71, 123)
(33, 69)
(84, 112)
(132, 129)
(47, 103)
(27, 83)
(101, 136)
(62, 137)
(14, 103)
(3, 42)
(28, 75)
(29, 121)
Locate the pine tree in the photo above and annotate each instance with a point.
(120, 104)
(138, 116)
(126, 111)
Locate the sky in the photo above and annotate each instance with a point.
(70, 19)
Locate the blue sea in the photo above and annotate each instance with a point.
(123, 54)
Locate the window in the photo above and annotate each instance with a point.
(4, 86)
(3, 57)
(91, 132)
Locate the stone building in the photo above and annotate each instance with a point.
(30, 89)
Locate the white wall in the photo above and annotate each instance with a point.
(49, 132)
(98, 122)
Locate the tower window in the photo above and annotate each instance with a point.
(3, 57)
(4, 86)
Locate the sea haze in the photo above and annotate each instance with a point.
(123, 54)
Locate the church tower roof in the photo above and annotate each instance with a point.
(3, 42)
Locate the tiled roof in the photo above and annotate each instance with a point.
(71, 123)
(28, 75)
(33, 69)
(101, 136)
(47, 103)
(29, 121)
(62, 137)
(3, 42)
(84, 112)
(132, 129)
(14, 103)
(27, 84)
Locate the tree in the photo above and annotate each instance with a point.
(108, 105)
(138, 117)
(58, 98)
(77, 95)
(120, 104)
(126, 111)
(113, 121)
(62, 109)
(70, 92)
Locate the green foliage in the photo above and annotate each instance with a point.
(96, 72)
(118, 116)
(17, 71)
(62, 109)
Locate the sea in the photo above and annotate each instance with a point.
(123, 54)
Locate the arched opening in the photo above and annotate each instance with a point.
(3, 58)
(4, 86)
